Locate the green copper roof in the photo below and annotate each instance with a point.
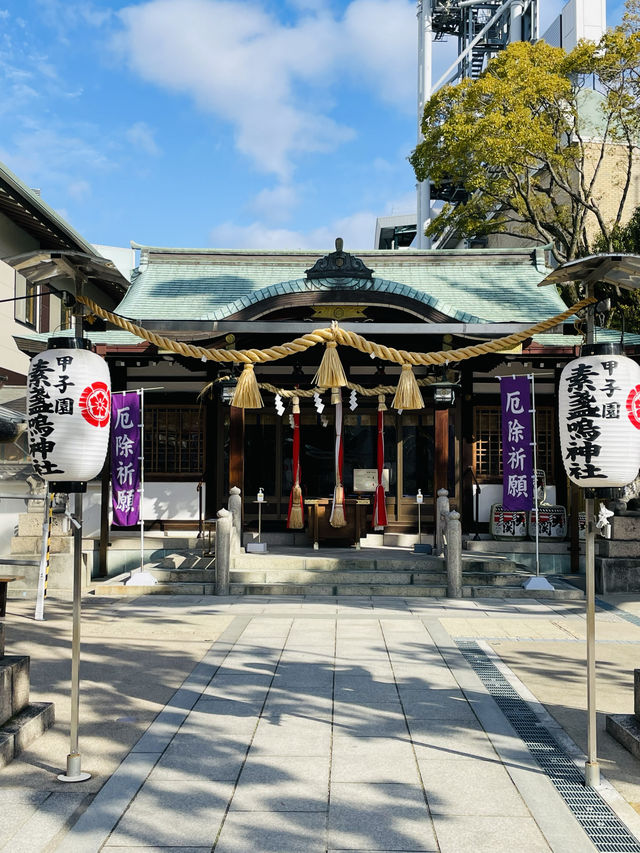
(473, 285)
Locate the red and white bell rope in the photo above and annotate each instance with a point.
(337, 518)
(379, 517)
(295, 516)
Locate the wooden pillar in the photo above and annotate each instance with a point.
(465, 500)
(236, 448)
(441, 466)
(213, 442)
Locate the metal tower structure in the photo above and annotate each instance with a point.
(482, 29)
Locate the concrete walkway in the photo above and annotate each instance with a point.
(300, 724)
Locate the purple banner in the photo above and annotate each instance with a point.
(125, 458)
(517, 446)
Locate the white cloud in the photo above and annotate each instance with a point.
(240, 63)
(141, 136)
(382, 41)
(79, 190)
(276, 204)
(64, 16)
(356, 230)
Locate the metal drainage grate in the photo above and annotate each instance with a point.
(604, 828)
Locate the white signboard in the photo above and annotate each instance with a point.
(366, 479)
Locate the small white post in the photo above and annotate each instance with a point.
(442, 510)
(454, 555)
(235, 508)
(223, 549)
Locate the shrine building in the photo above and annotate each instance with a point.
(197, 446)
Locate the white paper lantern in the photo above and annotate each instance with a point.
(68, 410)
(599, 413)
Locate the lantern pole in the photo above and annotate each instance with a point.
(591, 767)
(74, 760)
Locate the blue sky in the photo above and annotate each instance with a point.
(222, 123)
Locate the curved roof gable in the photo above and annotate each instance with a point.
(466, 285)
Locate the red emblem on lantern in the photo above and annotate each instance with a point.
(95, 404)
(633, 406)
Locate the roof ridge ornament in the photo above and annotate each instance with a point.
(339, 264)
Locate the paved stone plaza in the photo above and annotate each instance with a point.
(299, 724)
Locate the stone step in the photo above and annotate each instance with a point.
(290, 538)
(163, 575)
(376, 577)
(404, 540)
(323, 589)
(564, 593)
(126, 542)
(421, 562)
(14, 686)
(116, 587)
(23, 728)
(186, 562)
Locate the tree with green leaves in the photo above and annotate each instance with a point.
(537, 152)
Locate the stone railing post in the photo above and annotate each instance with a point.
(223, 551)
(235, 508)
(442, 510)
(454, 555)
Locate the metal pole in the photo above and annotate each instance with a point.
(425, 37)
(535, 471)
(591, 768)
(141, 512)
(74, 760)
(45, 553)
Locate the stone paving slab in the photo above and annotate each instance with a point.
(482, 834)
(380, 817)
(283, 784)
(373, 759)
(467, 786)
(273, 832)
(165, 814)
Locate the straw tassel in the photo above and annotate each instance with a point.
(296, 520)
(382, 407)
(408, 394)
(247, 394)
(330, 373)
(337, 513)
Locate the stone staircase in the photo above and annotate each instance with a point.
(26, 547)
(21, 722)
(379, 567)
(406, 575)
(180, 573)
